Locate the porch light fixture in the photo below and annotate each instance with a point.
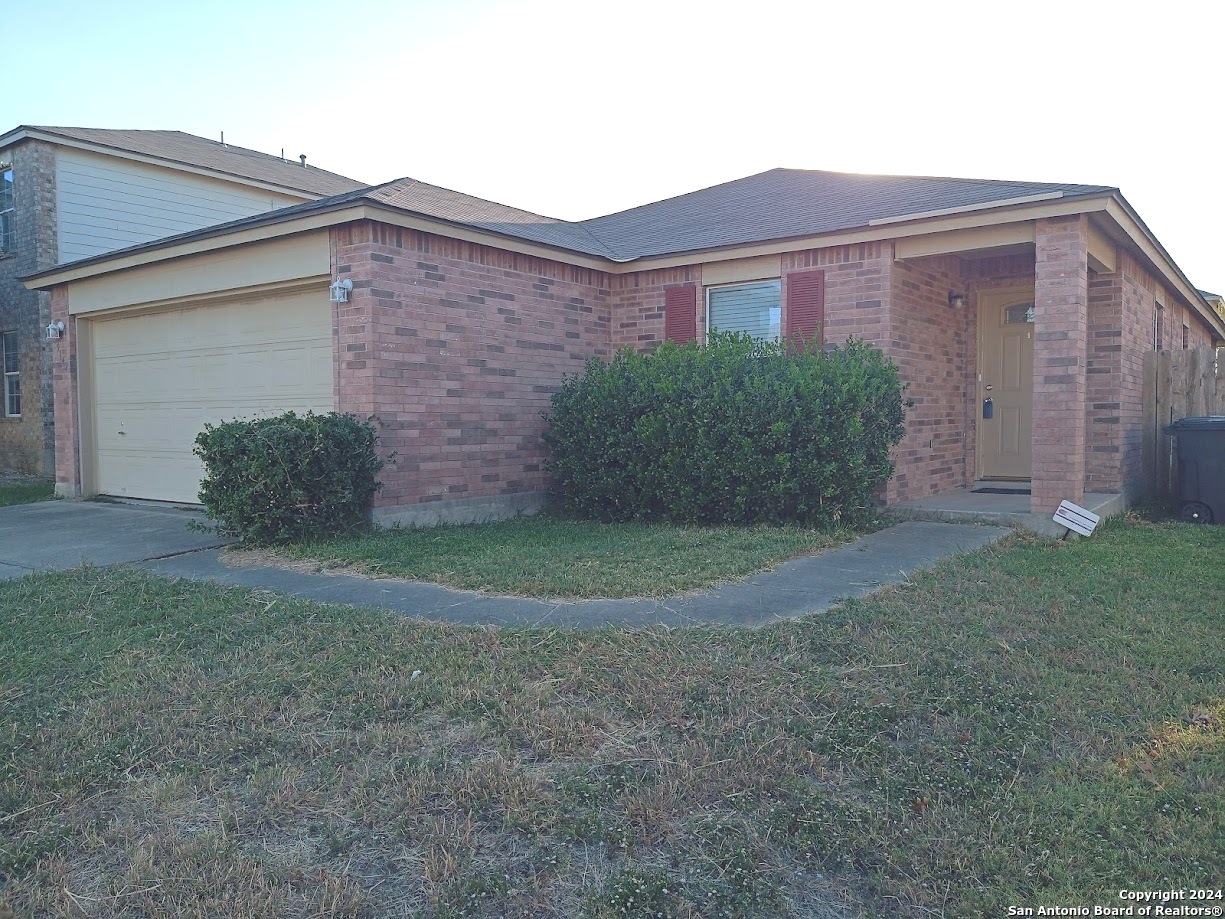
(957, 301)
(1030, 315)
(55, 331)
(340, 290)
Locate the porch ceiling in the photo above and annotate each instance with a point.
(1005, 239)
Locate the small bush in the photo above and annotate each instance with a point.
(737, 431)
(274, 480)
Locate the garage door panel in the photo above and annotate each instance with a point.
(159, 379)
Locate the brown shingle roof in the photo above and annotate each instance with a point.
(779, 204)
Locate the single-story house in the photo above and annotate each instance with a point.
(1018, 312)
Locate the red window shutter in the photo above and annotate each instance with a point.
(681, 313)
(806, 304)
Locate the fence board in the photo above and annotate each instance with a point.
(1177, 384)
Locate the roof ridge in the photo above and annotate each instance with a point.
(898, 175)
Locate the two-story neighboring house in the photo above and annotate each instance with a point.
(70, 193)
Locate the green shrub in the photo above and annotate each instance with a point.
(278, 479)
(737, 431)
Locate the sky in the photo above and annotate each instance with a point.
(575, 109)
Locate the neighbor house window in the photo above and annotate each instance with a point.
(12, 376)
(7, 242)
(755, 308)
(1158, 322)
(1186, 338)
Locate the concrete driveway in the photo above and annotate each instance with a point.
(51, 535)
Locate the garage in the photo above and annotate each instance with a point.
(157, 378)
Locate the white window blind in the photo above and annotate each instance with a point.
(753, 308)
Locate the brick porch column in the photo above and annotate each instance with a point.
(1061, 302)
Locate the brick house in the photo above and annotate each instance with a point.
(1018, 312)
(70, 193)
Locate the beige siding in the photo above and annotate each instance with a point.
(107, 203)
(224, 271)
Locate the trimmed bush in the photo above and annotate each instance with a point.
(737, 431)
(274, 480)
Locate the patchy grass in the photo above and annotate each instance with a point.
(553, 557)
(1036, 724)
(26, 491)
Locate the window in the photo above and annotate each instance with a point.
(1158, 320)
(12, 376)
(1021, 312)
(755, 308)
(1186, 338)
(7, 242)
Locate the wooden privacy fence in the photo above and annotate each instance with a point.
(1177, 384)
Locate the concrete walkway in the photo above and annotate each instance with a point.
(795, 588)
(54, 535)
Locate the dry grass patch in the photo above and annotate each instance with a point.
(554, 558)
(1034, 724)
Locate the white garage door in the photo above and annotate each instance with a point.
(158, 378)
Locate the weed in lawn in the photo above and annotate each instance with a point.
(1030, 724)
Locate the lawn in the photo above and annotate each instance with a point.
(26, 491)
(1034, 725)
(553, 557)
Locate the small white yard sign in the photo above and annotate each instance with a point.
(1076, 519)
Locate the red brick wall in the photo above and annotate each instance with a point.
(64, 381)
(857, 285)
(856, 295)
(1061, 298)
(1137, 289)
(934, 347)
(457, 349)
(1103, 373)
(638, 305)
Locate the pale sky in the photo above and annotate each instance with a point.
(575, 109)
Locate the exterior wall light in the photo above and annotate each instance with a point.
(957, 301)
(55, 331)
(340, 290)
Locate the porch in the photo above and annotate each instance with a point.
(963, 505)
(1012, 342)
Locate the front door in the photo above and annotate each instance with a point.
(1006, 383)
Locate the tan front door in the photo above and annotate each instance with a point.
(1006, 386)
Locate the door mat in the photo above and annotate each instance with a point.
(1000, 491)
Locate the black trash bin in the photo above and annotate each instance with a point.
(1201, 468)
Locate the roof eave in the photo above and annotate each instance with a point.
(329, 212)
(1007, 211)
(1173, 272)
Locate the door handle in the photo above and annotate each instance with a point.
(988, 408)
